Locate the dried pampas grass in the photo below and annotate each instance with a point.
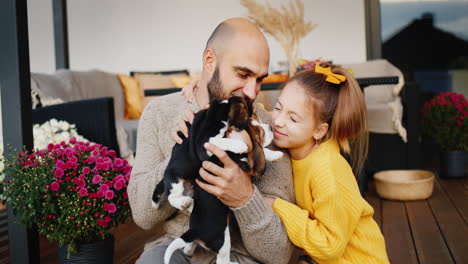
(286, 26)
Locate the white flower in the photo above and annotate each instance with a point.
(64, 126)
(54, 131)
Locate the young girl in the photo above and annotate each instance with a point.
(319, 114)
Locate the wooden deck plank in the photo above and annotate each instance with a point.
(465, 182)
(458, 194)
(132, 239)
(397, 233)
(429, 242)
(454, 229)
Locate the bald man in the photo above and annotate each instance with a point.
(235, 62)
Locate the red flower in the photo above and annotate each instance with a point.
(109, 195)
(102, 223)
(127, 169)
(54, 186)
(104, 188)
(97, 179)
(59, 173)
(76, 180)
(82, 184)
(111, 208)
(50, 147)
(118, 162)
(83, 192)
(86, 170)
(119, 184)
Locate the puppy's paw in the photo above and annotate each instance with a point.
(189, 249)
(190, 208)
(188, 204)
(154, 205)
(181, 203)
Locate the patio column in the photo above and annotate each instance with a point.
(373, 31)
(16, 111)
(61, 34)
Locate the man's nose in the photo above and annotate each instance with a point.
(250, 89)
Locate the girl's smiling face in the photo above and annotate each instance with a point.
(295, 123)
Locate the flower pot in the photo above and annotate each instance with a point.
(453, 164)
(98, 252)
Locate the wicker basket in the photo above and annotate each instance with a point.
(404, 185)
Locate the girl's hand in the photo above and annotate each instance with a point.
(189, 90)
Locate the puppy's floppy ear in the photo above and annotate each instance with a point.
(257, 155)
(259, 162)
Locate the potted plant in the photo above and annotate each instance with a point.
(73, 193)
(444, 118)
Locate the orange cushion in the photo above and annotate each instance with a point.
(134, 96)
(276, 77)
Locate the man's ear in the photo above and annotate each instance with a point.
(209, 60)
(321, 131)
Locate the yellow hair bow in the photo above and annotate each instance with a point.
(331, 77)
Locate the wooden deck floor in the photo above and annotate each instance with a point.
(429, 231)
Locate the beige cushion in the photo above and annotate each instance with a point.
(157, 81)
(384, 108)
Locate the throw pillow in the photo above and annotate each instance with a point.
(134, 96)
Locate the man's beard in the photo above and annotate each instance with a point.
(215, 87)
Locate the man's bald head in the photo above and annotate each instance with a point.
(235, 61)
(229, 30)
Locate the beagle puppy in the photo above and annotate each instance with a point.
(232, 126)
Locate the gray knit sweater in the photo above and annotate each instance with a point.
(262, 234)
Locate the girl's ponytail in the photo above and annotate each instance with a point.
(349, 126)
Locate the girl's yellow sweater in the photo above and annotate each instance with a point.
(331, 221)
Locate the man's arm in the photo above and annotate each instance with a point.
(148, 170)
(263, 233)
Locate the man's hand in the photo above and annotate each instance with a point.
(230, 184)
(182, 127)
